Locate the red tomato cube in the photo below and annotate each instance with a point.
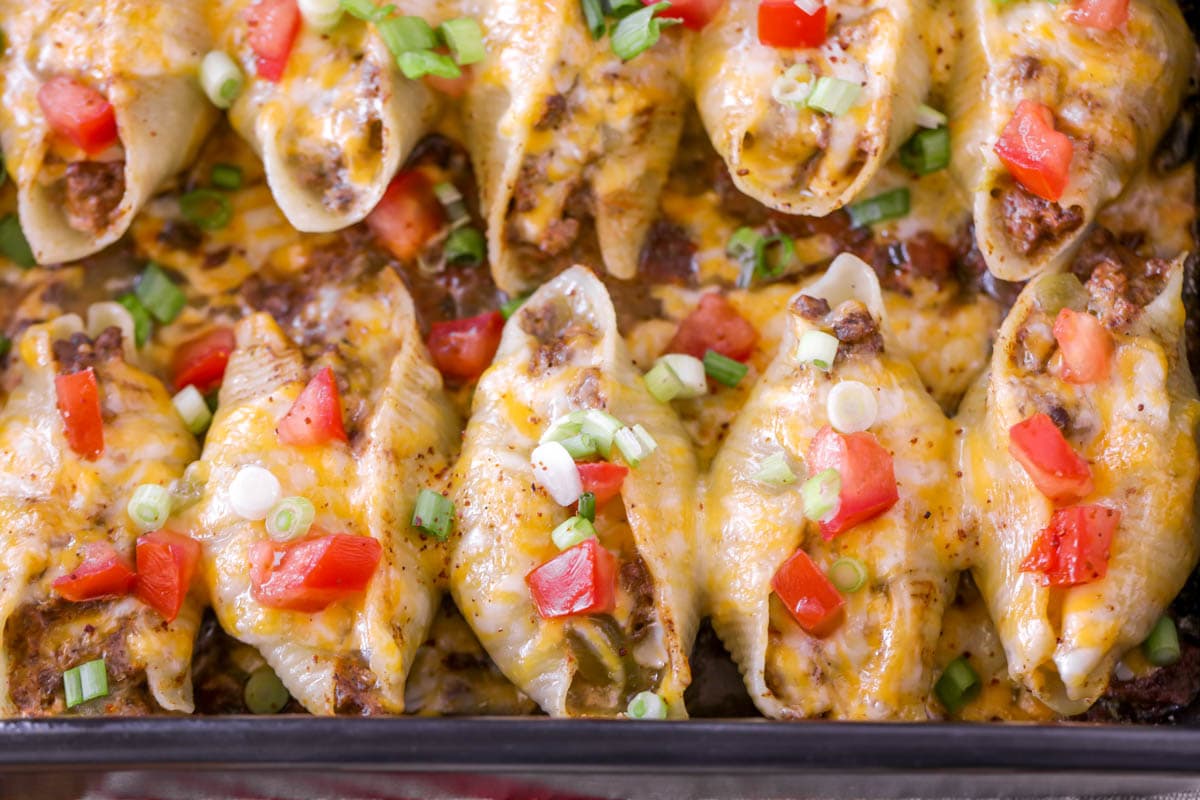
(580, 580)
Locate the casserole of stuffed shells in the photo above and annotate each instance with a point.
(88, 605)
(576, 495)
(565, 132)
(805, 111)
(828, 531)
(328, 431)
(1048, 126)
(1079, 470)
(101, 106)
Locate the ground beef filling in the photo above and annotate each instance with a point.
(1119, 281)
(1032, 222)
(78, 352)
(92, 193)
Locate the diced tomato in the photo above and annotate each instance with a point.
(808, 595)
(103, 573)
(781, 23)
(580, 580)
(201, 362)
(79, 407)
(79, 114)
(603, 479)
(1036, 155)
(272, 27)
(463, 348)
(1086, 346)
(311, 574)
(867, 474)
(1105, 15)
(316, 416)
(1073, 548)
(408, 215)
(694, 14)
(714, 325)
(166, 562)
(1055, 469)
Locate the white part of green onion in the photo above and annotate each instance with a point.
(848, 574)
(646, 705)
(564, 427)
(572, 532)
(775, 470)
(793, 87)
(291, 518)
(821, 495)
(690, 372)
(221, 78)
(555, 471)
(321, 15)
(192, 409)
(253, 492)
(834, 95)
(662, 383)
(102, 316)
(645, 439)
(817, 348)
(851, 406)
(602, 427)
(149, 507)
(635, 444)
(930, 117)
(809, 7)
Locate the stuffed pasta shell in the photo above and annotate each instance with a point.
(94, 601)
(327, 110)
(321, 447)
(563, 131)
(1052, 113)
(828, 530)
(101, 105)
(1079, 470)
(576, 505)
(804, 116)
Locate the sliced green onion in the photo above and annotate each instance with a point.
(593, 16)
(773, 255)
(406, 35)
(149, 507)
(724, 370)
(619, 9)
(635, 444)
(662, 383)
(226, 176)
(820, 494)
(321, 15)
(602, 427)
(851, 406)
(452, 200)
(848, 574)
(512, 305)
(775, 470)
(141, 317)
(464, 37)
(465, 246)
(367, 10)
(793, 87)
(419, 63)
(564, 427)
(888, 205)
(817, 348)
(580, 446)
(930, 117)
(159, 294)
(640, 31)
(13, 243)
(1162, 645)
(645, 439)
(5, 345)
(433, 514)
(253, 492)
(646, 705)
(572, 532)
(291, 518)
(927, 151)
(85, 682)
(207, 208)
(833, 95)
(587, 506)
(957, 685)
(192, 409)
(264, 693)
(742, 248)
(690, 372)
(555, 471)
(221, 78)
(187, 490)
